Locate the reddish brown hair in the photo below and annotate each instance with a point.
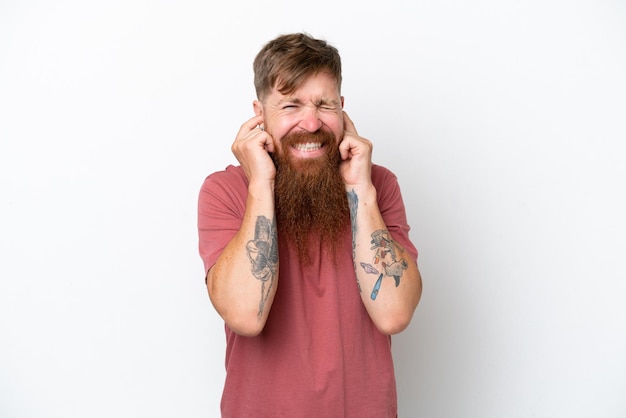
(287, 61)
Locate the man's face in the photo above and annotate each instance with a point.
(314, 106)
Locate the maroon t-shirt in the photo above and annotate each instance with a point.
(320, 354)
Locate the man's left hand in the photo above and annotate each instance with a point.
(356, 153)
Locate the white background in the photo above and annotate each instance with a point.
(505, 122)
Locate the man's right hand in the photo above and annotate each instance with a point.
(251, 148)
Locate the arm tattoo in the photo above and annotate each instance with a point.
(386, 255)
(263, 254)
(353, 204)
(385, 251)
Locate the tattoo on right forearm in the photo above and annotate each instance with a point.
(353, 204)
(263, 254)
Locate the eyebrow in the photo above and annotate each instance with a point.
(290, 100)
(318, 102)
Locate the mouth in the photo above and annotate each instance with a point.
(308, 146)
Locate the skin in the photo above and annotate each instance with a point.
(316, 104)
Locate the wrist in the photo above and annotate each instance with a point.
(260, 188)
(365, 191)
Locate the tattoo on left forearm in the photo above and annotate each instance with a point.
(385, 254)
(368, 268)
(385, 251)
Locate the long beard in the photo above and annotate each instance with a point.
(311, 200)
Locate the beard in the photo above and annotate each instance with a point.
(311, 200)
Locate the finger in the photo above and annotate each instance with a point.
(251, 124)
(269, 142)
(257, 127)
(348, 125)
(345, 148)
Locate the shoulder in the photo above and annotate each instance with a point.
(231, 178)
(387, 187)
(382, 176)
(227, 186)
(231, 174)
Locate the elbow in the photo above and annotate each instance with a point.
(241, 321)
(246, 327)
(241, 316)
(244, 322)
(397, 319)
(394, 324)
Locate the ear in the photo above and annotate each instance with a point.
(258, 108)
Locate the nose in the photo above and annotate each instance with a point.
(310, 120)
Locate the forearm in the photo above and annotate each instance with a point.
(243, 281)
(388, 277)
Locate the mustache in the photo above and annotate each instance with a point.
(302, 137)
(325, 138)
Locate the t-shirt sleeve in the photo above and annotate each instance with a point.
(221, 205)
(392, 208)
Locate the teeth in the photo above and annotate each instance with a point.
(309, 146)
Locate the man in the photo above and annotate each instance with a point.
(306, 250)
